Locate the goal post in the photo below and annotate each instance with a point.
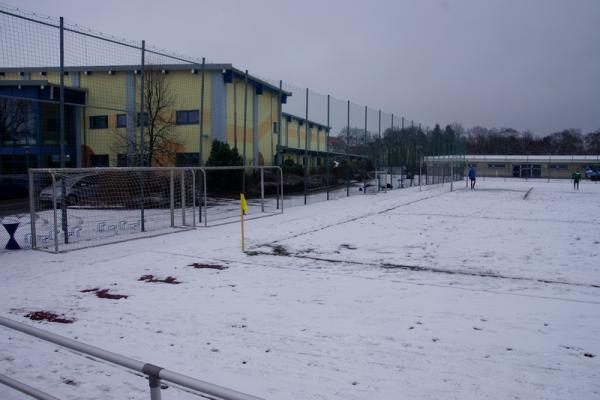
(84, 207)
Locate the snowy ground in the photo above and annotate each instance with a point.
(492, 293)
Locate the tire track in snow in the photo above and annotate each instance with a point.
(321, 228)
(416, 268)
(374, 278)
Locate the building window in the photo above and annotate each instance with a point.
(99, 160)
(52, 125)
(137, 122)
(187, 159)
(187, 117)
(121, 120)
(99, 122)
(558, 166)
(493, 166)
(274, 127)
(122, 160)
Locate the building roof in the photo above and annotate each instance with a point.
(132, 68)
(518, 158)
(301, 119)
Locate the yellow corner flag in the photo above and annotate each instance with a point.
(243, 203)
(243, 210)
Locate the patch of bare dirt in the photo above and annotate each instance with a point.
(48, 316)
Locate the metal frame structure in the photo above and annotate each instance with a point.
(172, 171)
(154, 373)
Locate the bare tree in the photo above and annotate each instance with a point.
(14, 119)
(160, 144)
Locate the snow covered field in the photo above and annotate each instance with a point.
(492, 293)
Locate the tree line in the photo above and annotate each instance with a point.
(481, 140)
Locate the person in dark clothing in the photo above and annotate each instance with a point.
(576, 178)
(472, 177)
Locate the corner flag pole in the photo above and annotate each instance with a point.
(243, 210)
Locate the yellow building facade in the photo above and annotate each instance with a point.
(102, 114)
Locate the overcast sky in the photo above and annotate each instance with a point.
(525, 64)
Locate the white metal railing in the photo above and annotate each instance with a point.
(154, 373)
(26, 389)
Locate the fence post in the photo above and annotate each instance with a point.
(281, 183)
(201, 147)
(378, 152)
(154, 384)
(183, 197)
(54, 212)
(279, 156)
(347, 148)
(32, 214)
(420, 171)
(327, 145)
(262, 189)
(245, 131)
(142, 121)
(61, 121)
(391, 151)
(306, 147)
(205, 207)
(199, 202)
(193, 199)
(61, 108)
(451, 174)
(172, 197)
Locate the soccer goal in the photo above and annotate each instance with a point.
(83, 207)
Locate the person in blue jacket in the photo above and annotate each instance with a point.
(472, 176)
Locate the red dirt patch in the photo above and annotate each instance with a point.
(103, 294)
(48, 316)
(207, 266)
(152, 279)
(89, 290)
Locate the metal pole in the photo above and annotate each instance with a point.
(245, 131)
(142, 124)
(365, 129)
(262, 189)
(281, 183)
(205, 207)
(420, 171)
(347, 148)
(391, 151)
(154, 384)
(235, 121)
(182, 197)
(279, 123)
(54, 213)
(451, 174)
(327, 145)
(199, 202)
(201, 147)
(172, 197)
(32, 214)
(61, 121)
(279, 155)
(23, 388)
(377, 167)
(61, 109)
(306, 147)
(150, 370)
(142, 116)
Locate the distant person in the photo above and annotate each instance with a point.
(472, 176)
(576, 178)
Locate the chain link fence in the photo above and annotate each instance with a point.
(74, 98)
